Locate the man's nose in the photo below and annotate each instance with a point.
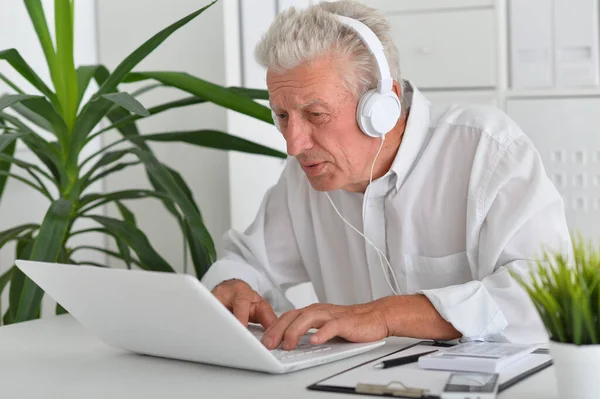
(297, 137)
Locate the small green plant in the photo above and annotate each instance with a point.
(567, 295)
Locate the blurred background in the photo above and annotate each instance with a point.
(535, 59)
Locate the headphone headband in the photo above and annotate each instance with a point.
(374, 45)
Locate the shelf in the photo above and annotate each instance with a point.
(553, 93)
(412, 6)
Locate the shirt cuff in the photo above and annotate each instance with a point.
(226, 270)
(469, 308)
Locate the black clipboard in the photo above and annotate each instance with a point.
(317, 386)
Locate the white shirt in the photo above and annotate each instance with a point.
(466, 200)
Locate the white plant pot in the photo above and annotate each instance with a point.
(577, 369)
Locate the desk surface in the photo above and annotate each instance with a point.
(58, 358)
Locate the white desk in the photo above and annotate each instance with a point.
(58, 358)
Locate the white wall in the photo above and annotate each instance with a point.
(197, 48)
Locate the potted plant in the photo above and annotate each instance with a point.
(64, 176)
(567, 297)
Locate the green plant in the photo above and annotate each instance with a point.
(567, 296)
(65, 178)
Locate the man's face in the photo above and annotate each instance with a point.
(317, 116)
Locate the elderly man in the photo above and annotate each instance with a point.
(414, 235)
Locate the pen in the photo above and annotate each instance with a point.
(401, 360)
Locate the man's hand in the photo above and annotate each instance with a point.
(401, 315)
(356, 323)
(245, 303)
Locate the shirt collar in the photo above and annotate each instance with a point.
(415, 134)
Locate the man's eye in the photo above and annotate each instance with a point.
(315, 113)
(281, 116)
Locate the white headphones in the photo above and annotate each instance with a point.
(378, 109)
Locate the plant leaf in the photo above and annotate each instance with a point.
(146, 89)
(183, 186)
(183, 102)
(107, 252)
(200, 255)
(6, 236)
(5, 278)
(109, 171)
(85, 73)
(107, 158)
(65, 64)
(124, 252)
(187, 206)
(33, 117)
(211, 92)
(123, 248)
(23, 251)
(40, 147)
(13, 57)
(128, 102)
(213, 139)
(25, 165)
(8, 150)
(11, 84)
(8, 138)
(98, 199)
(38, 19)
(128, 216)
(8, 100)
(14, 233)
(40, 106)
(47, 247)
(136, 240)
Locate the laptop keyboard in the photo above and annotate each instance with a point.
(303, 350)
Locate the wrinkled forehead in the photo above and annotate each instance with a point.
(317, 84)
(312, 103)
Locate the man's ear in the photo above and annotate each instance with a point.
(397, 88)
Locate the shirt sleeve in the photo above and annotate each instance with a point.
(266, 255)
(514, 216)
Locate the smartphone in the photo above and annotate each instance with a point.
(466, 385)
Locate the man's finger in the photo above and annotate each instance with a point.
(329, 330)
(224, 296)
(307, 320)
(241, 309)
(264, 314)
(274, 334)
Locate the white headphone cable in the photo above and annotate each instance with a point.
(380, 254)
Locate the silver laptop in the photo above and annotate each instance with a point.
(172, 315)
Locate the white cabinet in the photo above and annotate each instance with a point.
(554, 43)
(448, 49)
(565, 132)
(425, 5)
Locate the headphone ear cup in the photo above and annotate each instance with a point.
(362, 120)
(377, 113)
(275, 120)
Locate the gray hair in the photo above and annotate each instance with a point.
(300, 36)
